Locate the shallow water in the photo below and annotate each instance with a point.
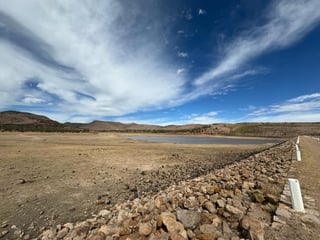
(203, 140)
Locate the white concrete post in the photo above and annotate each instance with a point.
(298, 155)
(296, 197)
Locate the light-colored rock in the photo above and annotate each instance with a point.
(98, 236)
(209, 206)
(145, 229)
(169, 220)
(3, 233)
(104, 213)
(191, 203)
(176, 236)
(283, 213)
(62, 233)
(208, 236)
(190, 219)
(309, 218)
(68, 225)
(221, 203)
(48, 234)
(110, 229)
(208, 228)
(216, 221)
(162, 236)
(235, 211)
(225, 228)
(254, 227)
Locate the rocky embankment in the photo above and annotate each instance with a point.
(234, 202)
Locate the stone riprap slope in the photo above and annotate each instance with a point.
(235, 202)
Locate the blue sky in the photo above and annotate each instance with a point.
(161, 61)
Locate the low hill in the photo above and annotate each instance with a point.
(22, 121)
(107, 126)
(14, 117)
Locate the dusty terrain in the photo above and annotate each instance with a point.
(52, 178)
(235, 202)
(306, 225)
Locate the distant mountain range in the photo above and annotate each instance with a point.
(23, 121)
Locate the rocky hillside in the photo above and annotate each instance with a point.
(235, 202)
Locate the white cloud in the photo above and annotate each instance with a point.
(113, 70)
(181, 70)
(97, 59)
(32, 100)
(304, 108)
(288, 21)
(202, 12)
(182, 54)
(304, 98)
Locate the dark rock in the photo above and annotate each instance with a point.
(271, 199)
(21, 181)
(190, 219)
(257, 196)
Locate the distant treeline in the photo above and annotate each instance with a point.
(39, 128)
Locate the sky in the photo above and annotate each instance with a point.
(161, 61)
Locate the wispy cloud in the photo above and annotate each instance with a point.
(304, 108)
(287, 22)
(85, 58)
(89, 60)
(181, 70)
(183, 54)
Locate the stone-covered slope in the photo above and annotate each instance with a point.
(230, 203)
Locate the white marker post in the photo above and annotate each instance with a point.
(296, 197)
(298, 153)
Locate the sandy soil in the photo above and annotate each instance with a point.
(47, 179)
(308, 174)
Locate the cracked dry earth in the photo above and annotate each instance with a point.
(47, 179)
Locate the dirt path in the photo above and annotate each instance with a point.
(306, 225)
(309, 169)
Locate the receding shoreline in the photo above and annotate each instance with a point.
(52, 178)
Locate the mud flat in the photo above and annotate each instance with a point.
(235, 202)
(48, 179)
